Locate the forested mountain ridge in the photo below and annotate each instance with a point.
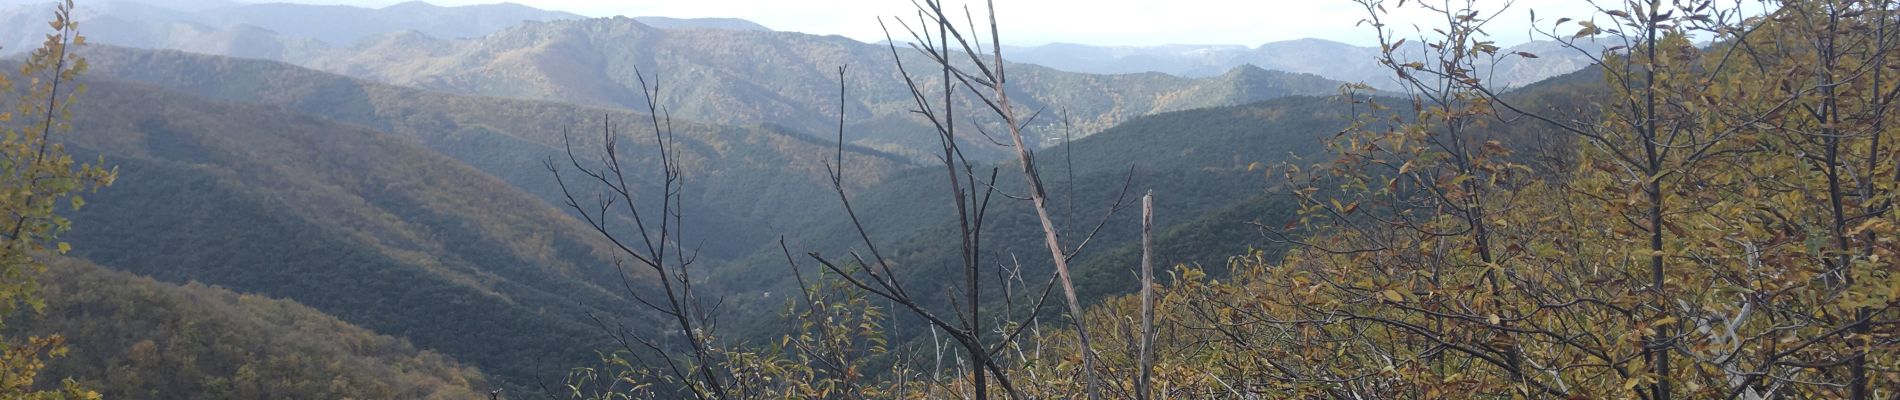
(135, 337)
(265, 30)
(346, 25)
(413, 213)
(747, 182)
(1204, 173)
(751, 77)
(1201, 163)
(1216, 173)
(510, 138)
(1212, 193)
(372, 228)
(305, 33)
(719, 71)
(702, 23)
(744, 180)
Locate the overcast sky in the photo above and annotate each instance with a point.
(1033, 22)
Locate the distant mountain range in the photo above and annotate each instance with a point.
(284, 32)
(185, 25)
(732, 71)
(702, 23)
(1333, 60)
(746, 77)
(281, 30)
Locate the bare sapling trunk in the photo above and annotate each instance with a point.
(1144, 386)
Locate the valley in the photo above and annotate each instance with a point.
(236, 199)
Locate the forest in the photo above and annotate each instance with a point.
(1684, 199)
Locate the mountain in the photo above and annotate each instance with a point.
(747, 181)
(1200, 163)
(1177, 59)
(1333, 60)
(238, 41)
(1204, 166)
(134, 337)
(735, 73)
(395, 194)
(753, 77)
(1554, 62)
(210, 26)
(345, 25)
(366, 226)
(412, 213)
(277, 31)
(723, 71)
(702, 23)
(756, 184)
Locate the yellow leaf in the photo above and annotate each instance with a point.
(1394, 296)
(1869, 224)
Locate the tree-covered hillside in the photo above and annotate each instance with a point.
(1701, 220)
(1204, 165)
(372, 228)
(136, 337)
(751, 77)
(748, 183)
(729, 76)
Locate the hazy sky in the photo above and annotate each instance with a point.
(1032, 22)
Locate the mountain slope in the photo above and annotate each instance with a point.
(1211, 200)
(702, 23)
(752, 77)
(345, 25)
(121, 22)
(713, 70)
(733, 73)
(133, 337)
(746, 183)
(275, 31)
(374, 229)
(1197, 162)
